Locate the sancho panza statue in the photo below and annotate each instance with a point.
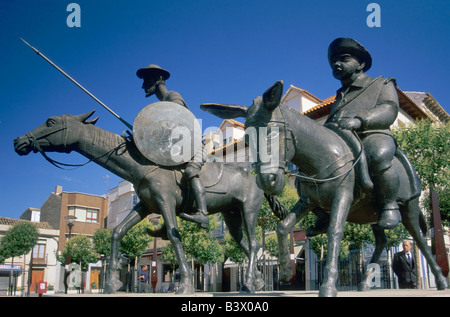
(368, 106)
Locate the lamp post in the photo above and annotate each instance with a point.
(70, 222)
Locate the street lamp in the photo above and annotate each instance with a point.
(70, 222)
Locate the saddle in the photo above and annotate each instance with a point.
(211, 176)
(363, 180)
(212, 179)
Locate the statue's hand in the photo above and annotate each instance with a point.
(350, 124)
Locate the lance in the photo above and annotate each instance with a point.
(76, 83)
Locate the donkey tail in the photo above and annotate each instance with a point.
(277, 207)
(423, 223)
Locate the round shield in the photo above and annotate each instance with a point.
(167, 133)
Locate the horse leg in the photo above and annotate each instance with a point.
(301, 208)
(380, 244)
(341, 205)
(250, 212)
(410, 219)
(234, 225)
(134, 217)
(167, 210)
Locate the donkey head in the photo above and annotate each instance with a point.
(265, 129)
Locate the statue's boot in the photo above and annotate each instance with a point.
(388, 183)
(200, 216)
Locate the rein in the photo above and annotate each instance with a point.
(310, 178)
(324, 180)
(50, 160)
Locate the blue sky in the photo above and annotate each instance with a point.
(226, 51)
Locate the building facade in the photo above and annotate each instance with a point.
(40, 264)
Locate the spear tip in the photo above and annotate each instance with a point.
(29, 45)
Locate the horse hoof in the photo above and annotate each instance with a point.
(112, 286)
(185, 289)
(286, 274)
(327, 291)
(247, 289)
(258, 284)
(442, 284)
(363, 287)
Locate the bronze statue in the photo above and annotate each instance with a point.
(154, 84)
(229, 189)
(368, 106)
(328, 183)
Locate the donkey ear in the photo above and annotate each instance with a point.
(83, 117)
(272, 96)
(225, 111)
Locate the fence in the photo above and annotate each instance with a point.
(350, 270)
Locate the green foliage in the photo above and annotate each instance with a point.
(80, 250)
(272, 245)
(18, 240)
(136, 241)
(102, 241)
(232, 250)
(427, 145)
(198, 243)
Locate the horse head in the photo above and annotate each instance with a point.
(54, 135)
(265, 131)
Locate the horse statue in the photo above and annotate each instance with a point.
(230, 190)
(329, 184)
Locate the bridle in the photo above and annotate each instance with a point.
(33, 139)
(280, 121)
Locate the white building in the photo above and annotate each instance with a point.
(121, 200)
(39, 264)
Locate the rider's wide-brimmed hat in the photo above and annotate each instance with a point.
(344, 45)
(153, 70)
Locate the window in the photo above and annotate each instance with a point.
(35, 215)
(84, 214)
(39, 252)
(92, 215)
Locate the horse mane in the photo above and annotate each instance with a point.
(105, 138)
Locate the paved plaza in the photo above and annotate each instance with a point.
(275, 294)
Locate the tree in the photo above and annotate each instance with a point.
(80, 250)
(102, 241)
(136, 241)
(198, 244)
(427, 145)
(18, 240)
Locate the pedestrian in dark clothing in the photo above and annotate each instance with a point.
(404, 266)
(143, 280)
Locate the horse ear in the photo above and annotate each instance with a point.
(272, 96)
(225, 111)
(93, 121)
(83, 117)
